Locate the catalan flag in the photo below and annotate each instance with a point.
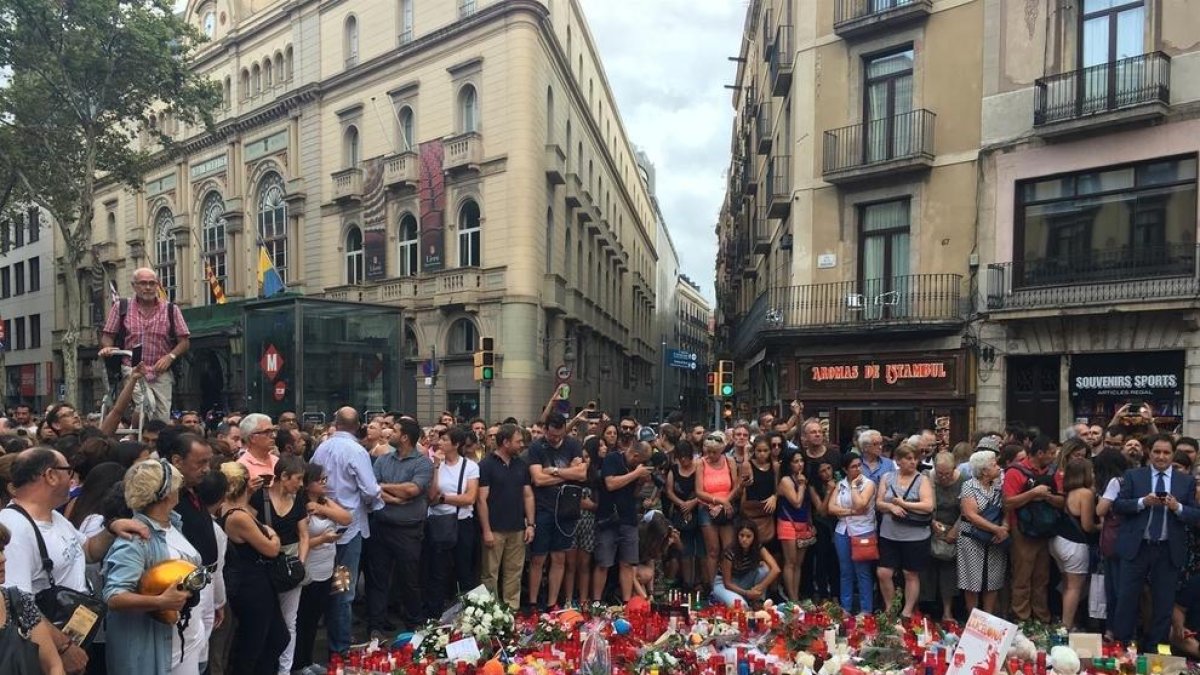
(269, 281)
(214, 284)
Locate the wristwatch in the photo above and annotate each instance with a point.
(554, 471)
(441, 499)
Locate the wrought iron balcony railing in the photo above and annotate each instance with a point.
(1107, 87)
(905, 136)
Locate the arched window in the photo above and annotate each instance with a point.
(468, 109)
(406, 21)
(244, 85)
(549, 240)
(164, 251)
(567, 251)
(212, 239)
(354, 256)
(568, 145)
(350, 45)
(463, 337)
(549, 115)
(111, 227)
(227, 92)
(407, 129)
(409, 245)
(280, 73)
(268, 79)
(287, 61)
(579, 160)
(468, 235)
(255, 80)
(272, 221)
(350, 147)
(411, 347)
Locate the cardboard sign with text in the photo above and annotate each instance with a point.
(984, 644)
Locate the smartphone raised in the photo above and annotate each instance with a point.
(135, 356)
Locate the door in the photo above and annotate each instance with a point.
(885, 286)
(888, 102)
(1112, 30)
(1034, 393)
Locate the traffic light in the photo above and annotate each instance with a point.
(725, 378)
(714, 389)
(727, 412)
(485, 361)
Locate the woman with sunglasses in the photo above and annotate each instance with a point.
(852, 502)
(325, 518)
(718, 490)
(136, 641)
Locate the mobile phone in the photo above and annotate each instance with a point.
(1162, 495)
(136, 356)
(267, 479)
(593, 414)
(341, 530)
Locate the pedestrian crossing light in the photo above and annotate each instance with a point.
(714, 386)
(727, 413)
(485, 361)
(725, 377)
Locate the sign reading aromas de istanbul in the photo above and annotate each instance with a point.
(879, 374)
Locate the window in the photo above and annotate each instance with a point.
(411, 347)
(409, 245)
(272, 221)
(287, 62)
(35, 331)
(468, 109)
(19, 278)
(354, 256)
(463, 337)
(407, 132)
(212, 239)
(549, 115)
(280, 75)
(227, 92)
(245, 84)
(255, 80)
(406, 21)
(110, 226)
(549, 241)
(468, 235)
(35, 224)
(887, 102)
(209, 23)
(1111, 30)
(884, 257)
(5, 282)
(350, 147)
(350, 44)
(19, 333)
(35, 274)
(1124, 222)
(164, 251)
(465, 8)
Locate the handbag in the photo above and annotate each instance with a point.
(756, 511)
(912, 518)
(443, 527)
(864, 548)
(942, 549)
(76, 613)
(994, 514)
(20, 651)
(285, 570)
(806, 534)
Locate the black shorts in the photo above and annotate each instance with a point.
(910, 556)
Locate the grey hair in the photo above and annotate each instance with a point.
(914, 440)
(944, 460)
(862, 437)
(249, 423)
(980, 460)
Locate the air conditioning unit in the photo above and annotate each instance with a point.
(855, 301)
(889, 299)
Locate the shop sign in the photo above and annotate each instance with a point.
(854, 375)
(29, 380)
(1153, 375)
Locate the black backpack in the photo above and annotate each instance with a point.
(1038, 519)
(113, 363)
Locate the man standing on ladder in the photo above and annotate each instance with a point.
(154, 323)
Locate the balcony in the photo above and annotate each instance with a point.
(779, 186)
(443, 289)
(763, 129)
(918, 303)
(860, 18)
(347, 185)
(464, 152)
(760, 232)
(749, 179)
(1125, 92)
(1144, 276)
(783, 55)
(887, 146)
(574, 197)
(556, 164)
(401, 170)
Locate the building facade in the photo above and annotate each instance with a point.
(1091, 130)
(848, 231)
(27, 308)
(692, 333)
(463, 161)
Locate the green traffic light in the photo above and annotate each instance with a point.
(489, 373)
(727, 390)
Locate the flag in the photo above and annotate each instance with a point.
(214, 284)
(269, 281)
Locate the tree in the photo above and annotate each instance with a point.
(80, 81)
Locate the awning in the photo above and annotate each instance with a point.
(214, 320)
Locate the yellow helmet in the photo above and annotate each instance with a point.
(180, 573)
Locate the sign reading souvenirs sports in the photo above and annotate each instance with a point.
(879, 374)
(1157, 375)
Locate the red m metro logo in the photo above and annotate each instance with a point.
(271, 362)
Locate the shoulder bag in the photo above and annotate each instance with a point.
(806, 535)
(913, 518)
(684, 522)
(61, 605)
(443, 528)
(286, 570)
(993, 512)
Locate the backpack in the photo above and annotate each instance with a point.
(1037, 520)
(113, 363)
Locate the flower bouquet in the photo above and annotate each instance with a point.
(477, 615)
(653, 658)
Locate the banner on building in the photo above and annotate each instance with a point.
(432, 195)
(374, 216)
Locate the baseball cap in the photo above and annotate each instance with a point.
(989, 443)
(646, 434)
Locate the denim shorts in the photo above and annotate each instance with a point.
(616, 542)
(551, 536)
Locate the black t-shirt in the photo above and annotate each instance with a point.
(542, 453)
(623, 500)
(197, 525)
(506, 492)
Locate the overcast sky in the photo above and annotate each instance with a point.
(667, 62)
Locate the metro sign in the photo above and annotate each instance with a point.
(271, 362)
(280, 390)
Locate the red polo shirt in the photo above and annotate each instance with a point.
(1015, 482)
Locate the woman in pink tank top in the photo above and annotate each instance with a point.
(718, 490)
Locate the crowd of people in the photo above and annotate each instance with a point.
(370, 527)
